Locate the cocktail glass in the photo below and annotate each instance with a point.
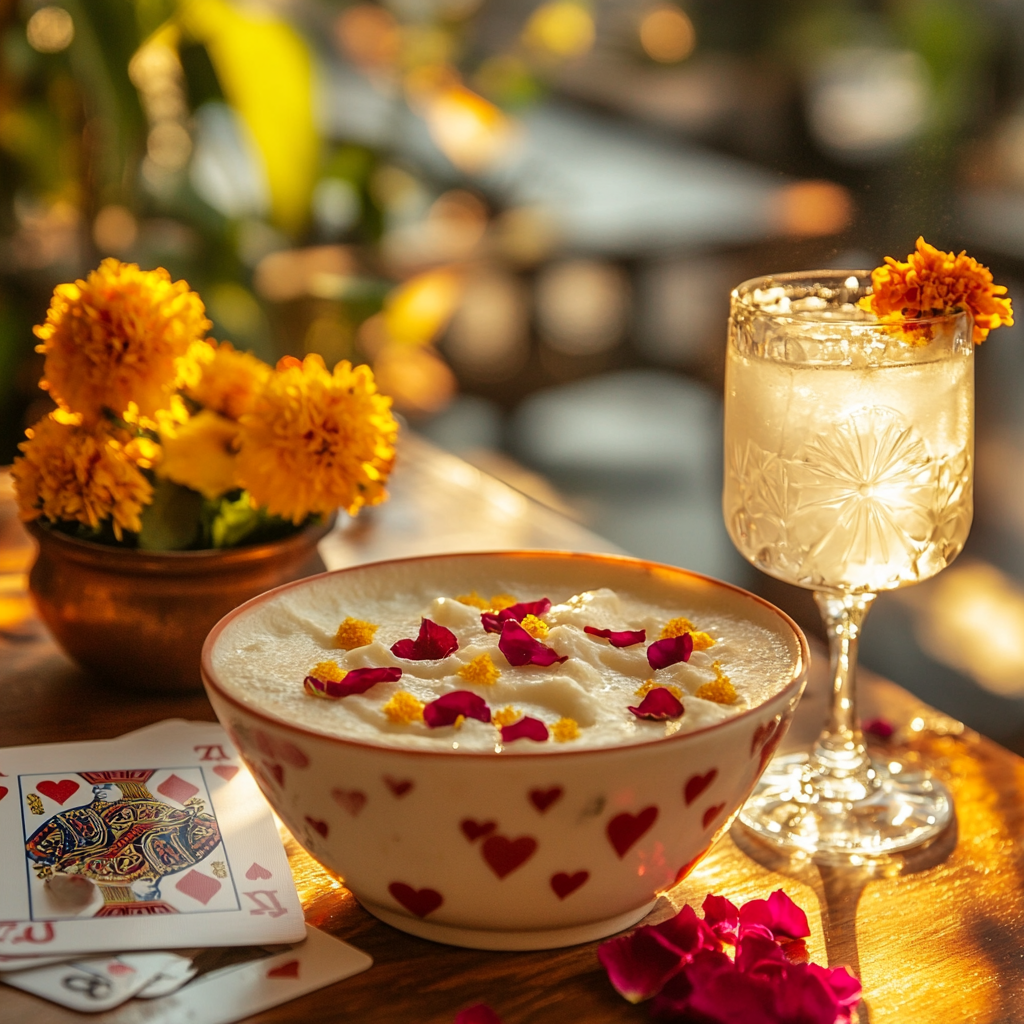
(849, 451)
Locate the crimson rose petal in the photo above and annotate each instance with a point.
(721, 916)
(779, 914)
(845, 987)
(525, 729)
(446, 709)
(433, 643)
(358, 680)
(493, 621)
(658, 705)
(670, 651)
(520, 648)
(802, 995)
(619, 638)
(879, 727)
(479, 1014)
(687, 932)
(638, 965)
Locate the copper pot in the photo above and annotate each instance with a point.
(138, 619)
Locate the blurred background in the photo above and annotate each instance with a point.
(527, 217)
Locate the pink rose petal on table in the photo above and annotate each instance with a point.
(658, 705)
(479, 1014)
(433, 643)
(670, 651)
(638, 965)
(620, 637)
(446, 709)
(845, 987)
(525, 729)
(779, 914)
(673, 1001)
(358, 680)
(493, 621)
(520, 648)
(878, 727)
(721, 916)
(687, 932)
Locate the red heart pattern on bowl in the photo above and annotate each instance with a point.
(696, 785)
(542, 799)
(473, 830)
(417, 901)
(351, 800)
(398, 786)
(320, 826)
(711, 813)
(625, 829)
(504, 855)
(564, 884)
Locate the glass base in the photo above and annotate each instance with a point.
(798, 806)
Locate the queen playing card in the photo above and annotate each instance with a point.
(159, 840)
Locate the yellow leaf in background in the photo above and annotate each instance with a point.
(418, 310)
(266, 71)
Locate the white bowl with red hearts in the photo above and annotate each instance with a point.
(514, 850)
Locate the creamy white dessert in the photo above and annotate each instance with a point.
(264, 656)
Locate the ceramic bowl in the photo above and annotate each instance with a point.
(522, 849)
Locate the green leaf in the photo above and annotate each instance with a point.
(171, 522)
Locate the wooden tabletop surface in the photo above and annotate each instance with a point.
(937, 936)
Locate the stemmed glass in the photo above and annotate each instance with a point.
(849, 461)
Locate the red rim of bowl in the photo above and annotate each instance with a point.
(210, 679)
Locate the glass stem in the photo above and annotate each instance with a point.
(840, 750)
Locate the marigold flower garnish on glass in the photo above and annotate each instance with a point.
(849, 448)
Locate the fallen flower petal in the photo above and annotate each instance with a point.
(879, 727)
(721, 916)
(779, 914)
(525, 729)
(446, 709)
(520, 648)
(658, 705)
(479, 1014)
(673, 1001)
(845, 987)
(433, 643)
(639, 964)
(359, 680)
(493, 621)
(670, 651)
(619, 638)
(687, 932)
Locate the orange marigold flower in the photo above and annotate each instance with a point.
(681, 625)
(481, 671)
(328, 672)
(74, 473)
(565, 730)
(317, 441)
(226, 381)
(117, 337)
(934, 283)
(354, 633)
(404, 708)
(201, 453)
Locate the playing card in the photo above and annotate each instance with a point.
(160, 839)
(96, 983)
(170, 979)
(21, 963)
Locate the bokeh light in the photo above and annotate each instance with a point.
(582, 306)
(667, 34)
(810, 209)
(418, 380)
(471, 131)
(560, 28)
(418, 310)
(114, 230)
(369, 35)
(50, 30)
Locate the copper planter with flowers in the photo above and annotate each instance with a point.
(138, 619)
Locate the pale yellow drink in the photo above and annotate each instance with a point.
(848, 457)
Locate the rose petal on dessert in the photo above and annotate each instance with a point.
(493, 621)
(433, 643)
(481, 1013)
(619, 637)
(525, 729)
(779, 914)
(639, 964)
(446, 710)
(358, 680)
(658, 705)
(670, 651)
(520, 648)
(879, 727)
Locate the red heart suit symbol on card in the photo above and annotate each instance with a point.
(417, 901)
(625, 829)
(256, 871)
(352, 800)
(288, 970)
(542, 799)
(503, 855)
(564, 884)
(697, 784)
(226, 771)
(117, 969)
(473, 830)
(58, 791)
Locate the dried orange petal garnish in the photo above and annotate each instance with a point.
(501, 601)
(328, 672)
(474, 600)
(506, 716)
(681, 625)
(720, 689)
(355, 633)
(404, 708)
(651, 684)
(565, 730)
(934, 283)
(536, 627)
(481, 671)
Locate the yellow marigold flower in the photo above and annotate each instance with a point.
(71, 473)
(317, 441)
(642, 691)
(720, 690)
(201, 453)
(681, 625)
(481, 671)
(536, 627)
(506, 716)
(565, 729)
(118, 337)
(328, 672)
(228, 381)
(354, 633)
(404, 709)
(932, 283)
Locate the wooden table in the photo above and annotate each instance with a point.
(937, 937)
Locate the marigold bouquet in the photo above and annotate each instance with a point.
(166, 440)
